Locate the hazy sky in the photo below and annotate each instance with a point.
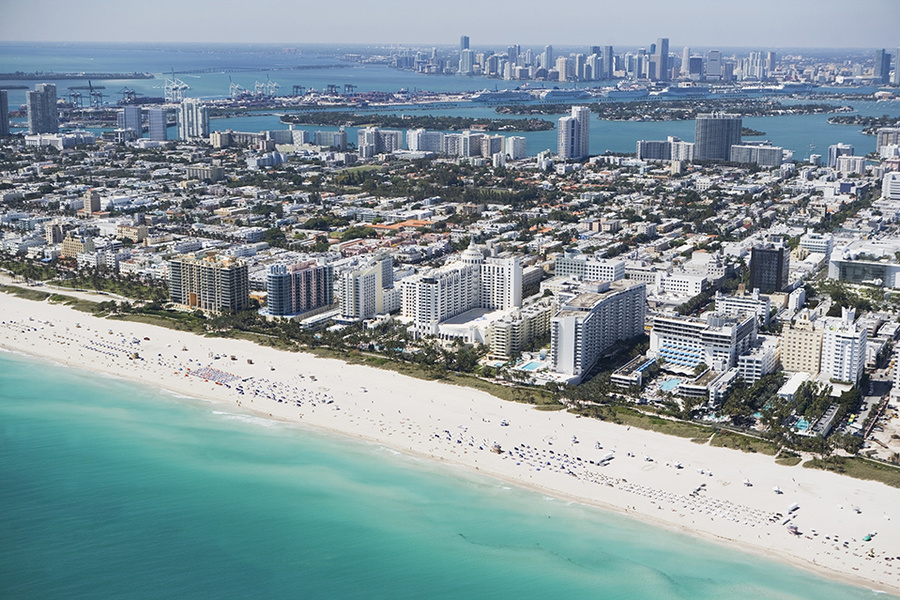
(728, 23)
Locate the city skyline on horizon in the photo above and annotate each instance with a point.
(701, 23)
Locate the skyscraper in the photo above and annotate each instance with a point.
(193, 119)
(662, 60)
(463, 42)
(547, 57)
(714, 64)
(882, 67)
(608, 63)
(715, 134)
(4, 114)
(158, 124)
(686, 62)
(573, 135)
(42, 114)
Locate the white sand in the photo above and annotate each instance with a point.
(705, 497)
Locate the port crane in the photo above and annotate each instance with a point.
(174, 89)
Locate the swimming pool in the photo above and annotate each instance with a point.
(532, 366)
(669, 384)
(801, 425)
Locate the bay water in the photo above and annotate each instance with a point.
(109, 489)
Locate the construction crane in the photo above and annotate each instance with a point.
(349, 88)
(331, 89)
(299, 90)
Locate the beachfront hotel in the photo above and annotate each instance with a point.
(716, 341)
(209, 282)
(592, 321)
(292, 290)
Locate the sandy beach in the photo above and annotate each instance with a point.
(743, 500)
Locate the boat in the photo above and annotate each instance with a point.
(501, 96)
(557, 95)
(625, 93)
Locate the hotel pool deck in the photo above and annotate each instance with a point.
(669, 384)
(531, 366)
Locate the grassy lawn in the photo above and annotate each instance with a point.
(27, 293)
(624, 415)
(744, 443)
(858, 468)
(788, 458)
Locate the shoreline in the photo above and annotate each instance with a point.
(683, 487)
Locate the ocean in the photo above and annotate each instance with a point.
(109, 489)
(209, 70)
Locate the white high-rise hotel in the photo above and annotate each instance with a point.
(574, 134)
(592, 322)
(843, 347)
(471, 282)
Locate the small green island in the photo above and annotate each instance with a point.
(870, 125)
(441, 123)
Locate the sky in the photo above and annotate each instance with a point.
(699, 23)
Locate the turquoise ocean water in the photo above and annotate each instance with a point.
(113, 490)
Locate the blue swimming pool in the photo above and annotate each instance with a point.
(801, 425)
(669, 384)
(532, 366)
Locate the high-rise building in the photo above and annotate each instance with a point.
(562, 67)
(838, 150)
(895, 80)
(592, 322)
(771, 60)
(801, 350)
(843, 347)
(368, 291)
(463, 42)
(193, 119)
(43, 116)
(466, 62)
(714, 64)
(157, 121)
(4, 114)
(209, 282)
(547, 57)
(419, 140)
(882, 67)
(296, 289)
(715, 340)
(715, 134)
(769, 267)
(686, 62)
(573, 136)
(609, 63)
(516, 147)
(129, 117)
(662, 60)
